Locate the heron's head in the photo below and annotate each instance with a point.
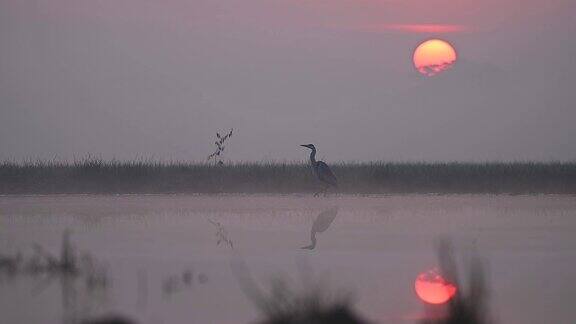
(310, 146)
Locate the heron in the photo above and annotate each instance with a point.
(322, 171)
(321, 224)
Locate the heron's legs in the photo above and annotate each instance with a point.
(323, 191)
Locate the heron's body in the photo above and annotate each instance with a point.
(321, 170)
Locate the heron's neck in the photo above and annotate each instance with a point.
(313, 156)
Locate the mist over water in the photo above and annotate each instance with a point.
(170, 258)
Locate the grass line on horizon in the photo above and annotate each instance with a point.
(147, 176)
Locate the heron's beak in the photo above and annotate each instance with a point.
(304, 145)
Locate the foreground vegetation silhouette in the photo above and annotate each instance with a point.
(469, 305)
(284, 303)
(79, 276)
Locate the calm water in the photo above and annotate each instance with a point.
(164, 264)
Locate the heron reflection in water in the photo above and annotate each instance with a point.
(321, 224)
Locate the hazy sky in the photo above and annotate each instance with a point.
(157, 78)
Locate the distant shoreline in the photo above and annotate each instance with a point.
(113, 177)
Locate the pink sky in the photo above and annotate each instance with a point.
(125, 78)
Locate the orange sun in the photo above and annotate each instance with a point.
(434, 56)
(432, 288)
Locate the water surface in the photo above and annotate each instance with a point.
(165, 263)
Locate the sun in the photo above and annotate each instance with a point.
(432, 288)
(434, 56)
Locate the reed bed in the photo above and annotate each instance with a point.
(94, 176)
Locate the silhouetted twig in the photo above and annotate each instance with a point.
(220, 146)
